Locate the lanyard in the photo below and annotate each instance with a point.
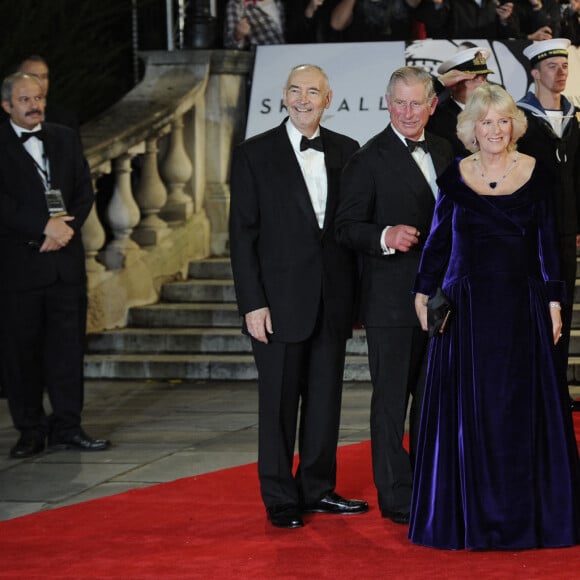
(43, 172)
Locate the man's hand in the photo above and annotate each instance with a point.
(259, 323)
(402, 238)
(454, 76)
(57, 233)
(504, 11)
(243, 29)
(543, 33)
(312, 7)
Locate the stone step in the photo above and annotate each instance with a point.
(186, 340)
(199, 290)
(210, 268)
(215, 290)
(576, 316)
(190, 367)
(574, 370)
(184, 315)
(194, 333)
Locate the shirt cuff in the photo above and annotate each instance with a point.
(386, 250)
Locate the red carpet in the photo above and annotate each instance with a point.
(213, 527)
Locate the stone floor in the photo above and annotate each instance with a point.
(160, 431)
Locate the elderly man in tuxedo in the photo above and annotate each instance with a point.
(295, 289)
(45, 196)
(387, 199)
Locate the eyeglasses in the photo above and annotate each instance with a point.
(416, 106)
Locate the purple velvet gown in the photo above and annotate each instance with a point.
(497, 462)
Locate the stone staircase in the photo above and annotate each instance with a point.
(192, 333)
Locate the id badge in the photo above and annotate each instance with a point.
(55, 203)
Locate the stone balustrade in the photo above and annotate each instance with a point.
(159, 160)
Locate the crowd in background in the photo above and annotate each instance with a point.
(248, 23)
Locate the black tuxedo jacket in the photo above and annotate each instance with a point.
(280, 257)
(383, 185)
(443, 123)
(24, 212)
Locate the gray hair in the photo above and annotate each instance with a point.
(307, 67)
(9, 82)
(476, 108)
(409, 75)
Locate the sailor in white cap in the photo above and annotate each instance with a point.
(553, 138)
(461, 74)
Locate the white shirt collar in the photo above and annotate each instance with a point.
(19, 130)
(402, 137)
(295, 136)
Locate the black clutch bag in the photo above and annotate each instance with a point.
(438, 311)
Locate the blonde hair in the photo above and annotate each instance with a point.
(477, 106)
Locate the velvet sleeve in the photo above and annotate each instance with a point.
(437, 248)
(548, 251)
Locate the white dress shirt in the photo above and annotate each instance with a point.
(313, 169)
(35, 148)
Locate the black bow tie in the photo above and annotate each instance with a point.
(315, 143)
(412, 145)
(25, 135)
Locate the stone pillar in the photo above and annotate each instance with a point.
(226, 104)
(176, 170)
(122, 215)
(92, 231)
(151, 196)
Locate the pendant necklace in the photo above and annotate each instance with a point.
(494, 184)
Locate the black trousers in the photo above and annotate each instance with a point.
(398, 364)
(43, 334)
(306, 378)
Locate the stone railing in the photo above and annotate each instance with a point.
(159, 159)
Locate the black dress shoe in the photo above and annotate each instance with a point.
(80, 441)
(399, 517)
(332, 503)
(285, 516)
(27, 446)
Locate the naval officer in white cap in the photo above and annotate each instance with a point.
(461, 75)
(553, 137)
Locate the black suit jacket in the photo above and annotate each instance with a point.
(24, 212)
(443, 122)
(383, 185)
(280, 257)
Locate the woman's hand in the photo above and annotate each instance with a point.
(421, 309)
(555, 314)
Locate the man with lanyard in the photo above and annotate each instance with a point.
(45, 196)
(553, 138)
